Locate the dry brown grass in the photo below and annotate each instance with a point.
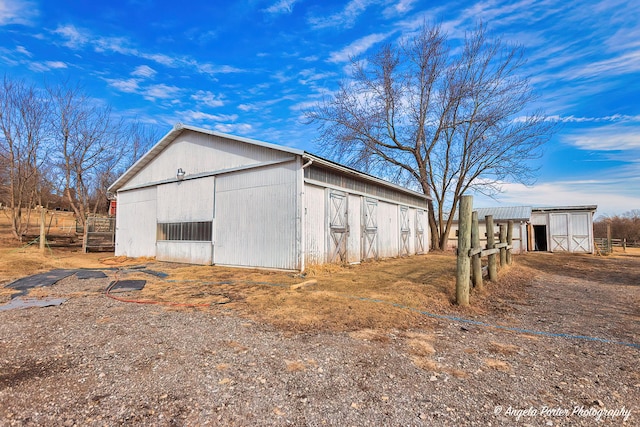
(506, 349)
(498, 365)
(620, 268)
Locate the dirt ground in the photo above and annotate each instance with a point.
(555, 342)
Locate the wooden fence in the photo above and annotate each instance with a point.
(470, 253)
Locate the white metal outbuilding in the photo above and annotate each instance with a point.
(563, 228)
(205, 197)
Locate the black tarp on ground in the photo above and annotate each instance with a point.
(37, 280)
(90, 274)
(127, 285)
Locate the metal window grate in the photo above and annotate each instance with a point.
(186, 231)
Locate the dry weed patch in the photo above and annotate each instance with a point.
(295, 366)
(506, 349)
(498, 365)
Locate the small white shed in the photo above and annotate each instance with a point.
(562, 228)
(205, 197)
(520, 215)
(546, 229)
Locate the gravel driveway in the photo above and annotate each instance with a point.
(96, 361)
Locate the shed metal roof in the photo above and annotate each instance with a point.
(179, 128)
(566, 208)
(503, 213)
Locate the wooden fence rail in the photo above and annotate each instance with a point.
(470, 253)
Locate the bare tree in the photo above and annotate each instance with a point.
(446, 120)
(86, 138)
(24, 116)
(133, 140)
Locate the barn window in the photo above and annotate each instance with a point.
(189, 231)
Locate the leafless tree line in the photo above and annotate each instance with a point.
(625, 226)
(57, 143)
(443, 117)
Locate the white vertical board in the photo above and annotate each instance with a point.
(136, 223)
(255, 218)
(559, 232)
(315, 218)
(186, 201)
(580, 232)
(388, 230)
(354, 248)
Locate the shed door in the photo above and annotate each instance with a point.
(580, 241)
(405, 230)
(419, 231)
(338, 227)
(370, 232)
(559, 232)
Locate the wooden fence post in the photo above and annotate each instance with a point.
(510, 241)
(493, 269)
(464, 244)
(43, 234)
(503, 249)
(476, 260)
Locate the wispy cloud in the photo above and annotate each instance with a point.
(357, 47)
(161, 91)
(566, 193)
(234, 128)
(23, 50)
(79, 38)
(606, 138)
(344, 19)
(20, 12)
(144, 71)
(125, 85)
(207, 98)
(191, 116)
(611, 118)
(74, 38)
(46, 66)
(398, 8)
(281, 7)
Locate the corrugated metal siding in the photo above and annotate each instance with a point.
(187, 252)
(370, 189)
(136, 223)
(186, 201)
(315, 224)
(198, 153)
(255, 218)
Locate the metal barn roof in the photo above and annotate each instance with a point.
(179, 128)
(503, 213)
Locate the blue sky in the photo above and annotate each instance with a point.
(251, 67)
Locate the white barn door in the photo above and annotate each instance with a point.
(559, 232)
(580, 236)
(419, 231)
(338, 226)
(370, 230)
(405, 231)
